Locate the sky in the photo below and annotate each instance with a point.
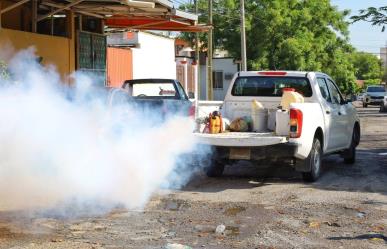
(363, 35)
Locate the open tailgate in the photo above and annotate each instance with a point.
(241, 139)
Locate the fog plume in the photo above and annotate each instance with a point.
(60, 144)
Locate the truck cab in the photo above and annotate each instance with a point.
(322, 124)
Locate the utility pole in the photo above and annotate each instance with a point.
(243, 37)
(209, 53)
(197, 60)
(197, 52)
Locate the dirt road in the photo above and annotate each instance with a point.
(266, 207)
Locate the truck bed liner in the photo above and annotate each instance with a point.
(240, 139)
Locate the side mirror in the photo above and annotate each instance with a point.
(191, 95)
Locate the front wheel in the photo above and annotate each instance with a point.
(382, 108)
(365, 105)
(313, 162)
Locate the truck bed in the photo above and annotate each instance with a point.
(241, 139)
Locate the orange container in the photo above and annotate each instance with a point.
(216, 123)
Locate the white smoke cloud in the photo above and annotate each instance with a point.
(56, 147)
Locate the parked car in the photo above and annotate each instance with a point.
(360, 97)
(325, 123)
(374, 95)
(108, 95)
(164, 96)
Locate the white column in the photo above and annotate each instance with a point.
(185, 64)
(196, 91)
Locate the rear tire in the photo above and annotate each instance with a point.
(314, 162)
(349, 154)
(215, 169)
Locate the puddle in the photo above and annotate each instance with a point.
(232, 231)
(234, 211)
(175, 205)
(7, 233)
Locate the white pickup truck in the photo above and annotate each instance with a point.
(325, 123)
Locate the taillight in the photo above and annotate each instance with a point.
(295, 123)
(191, 111)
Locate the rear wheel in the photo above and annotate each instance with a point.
(313, 161)
(349, 154)
(215, 169)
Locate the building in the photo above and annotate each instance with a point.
(224, 69)
(70, 34)
(136, 55)
(383, 57)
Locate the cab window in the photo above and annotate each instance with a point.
(324, 89)
(335, 93)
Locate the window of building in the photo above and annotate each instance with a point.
(217, 79)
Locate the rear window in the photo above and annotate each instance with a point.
(270, 86)
(151, 89)
(374, 89)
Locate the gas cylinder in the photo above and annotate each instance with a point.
(216, 122)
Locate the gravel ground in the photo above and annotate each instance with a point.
(260, 207)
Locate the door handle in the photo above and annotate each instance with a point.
(339, 113)
(328, 112)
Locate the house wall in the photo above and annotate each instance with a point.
(225, 65)
(155, 57)
(383, 57)
(228, 67)
(119, 66)
(54, 50)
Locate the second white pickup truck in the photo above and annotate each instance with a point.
(325, 123)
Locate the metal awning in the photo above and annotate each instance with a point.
(133, 14)
(127, 14)
(165, 18)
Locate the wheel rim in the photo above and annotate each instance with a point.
(316, 162)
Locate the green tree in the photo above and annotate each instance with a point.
(310, 35)
(376, 16)
(367, 66)
(4, 74)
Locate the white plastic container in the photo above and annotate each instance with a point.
(259, 118)
(271, 119)
(282, 123)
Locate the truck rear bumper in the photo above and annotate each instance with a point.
(270, 152)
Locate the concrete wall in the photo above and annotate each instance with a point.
(58, 51)
(155, 58)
